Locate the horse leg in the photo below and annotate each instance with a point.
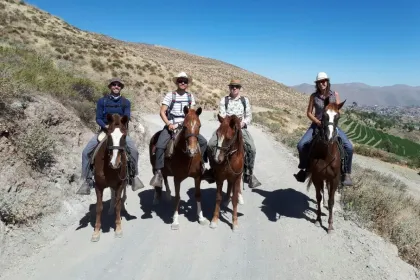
(324, 201)
(118, 230)
(175, 222)
(201, 220)
(167, 189)
(99, 206)
(331, 194)
(319, 186)
(235, 197)
(157, 195)
(112, 203)
(240, 197)
(228, 197)
(215, 219)
(123, 198)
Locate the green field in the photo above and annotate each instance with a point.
(362, 134)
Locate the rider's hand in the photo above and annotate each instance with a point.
(171, 127)
(319, 123)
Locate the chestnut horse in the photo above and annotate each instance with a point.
(110, 170)
(185, 162)
(325, 160)
(227, 163)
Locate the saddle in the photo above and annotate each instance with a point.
(173, 141)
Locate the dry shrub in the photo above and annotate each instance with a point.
(381, 203)
(37, 147)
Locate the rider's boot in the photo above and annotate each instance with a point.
(251, 180)
(136, 183)
(302, 175)
(208, 175)
(347, 181)
(85, 188)
(157, 179)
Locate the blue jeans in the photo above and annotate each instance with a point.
(304, 145)
(87, 172)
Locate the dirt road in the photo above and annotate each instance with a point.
(276, 238)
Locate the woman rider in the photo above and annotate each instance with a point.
(316, 100)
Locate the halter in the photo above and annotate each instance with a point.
(230, 152)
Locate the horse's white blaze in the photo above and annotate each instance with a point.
(219, 144)
(116, 137)
(331, 114)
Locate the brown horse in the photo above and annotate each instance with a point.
(325, 161)
(227, 163)
(110, 170)
(184, 162)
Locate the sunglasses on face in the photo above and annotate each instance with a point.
(182, 81)
(234, 87)
(322, 82)
(116, 85)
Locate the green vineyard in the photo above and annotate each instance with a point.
(362, 134)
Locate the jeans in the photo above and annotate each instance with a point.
(87, 171)
(249, 148)
(162, 142)
(304, 145)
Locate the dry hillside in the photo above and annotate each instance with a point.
(146, 68)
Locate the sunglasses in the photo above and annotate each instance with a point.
(182, 81)
(322, 81)
(116, 85)
(234, 87)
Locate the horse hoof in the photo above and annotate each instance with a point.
(213, 225)
(118, 234)
(175, 226)
(330, 230)
(317, 223)
(203, 222)
(95, 238)
(235, 228)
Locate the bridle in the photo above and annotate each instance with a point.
(228, 150)
(111, 146)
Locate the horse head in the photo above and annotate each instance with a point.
(227, 135)
(191, 130)
(329, 120)
(116, 142)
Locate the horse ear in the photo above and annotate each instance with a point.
(109, 118)
(341, 104)
(124, 120)
(220, 118)
(186, 109)
(198, 111)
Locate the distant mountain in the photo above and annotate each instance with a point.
(363, 94)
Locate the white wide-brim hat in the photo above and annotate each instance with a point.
(182, 75)
(321, 76)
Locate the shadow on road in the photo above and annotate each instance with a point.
(285, 202)
(164, 210)
(107, 221)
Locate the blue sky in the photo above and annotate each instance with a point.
(374, 42)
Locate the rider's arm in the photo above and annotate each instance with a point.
(310, 109)
(222, 111)
(248, 114)
(337, 97)
(163, 109)
(127, 109)
(99, 113)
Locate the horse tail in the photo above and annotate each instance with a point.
(309, 182)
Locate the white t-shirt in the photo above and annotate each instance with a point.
(178, 110)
